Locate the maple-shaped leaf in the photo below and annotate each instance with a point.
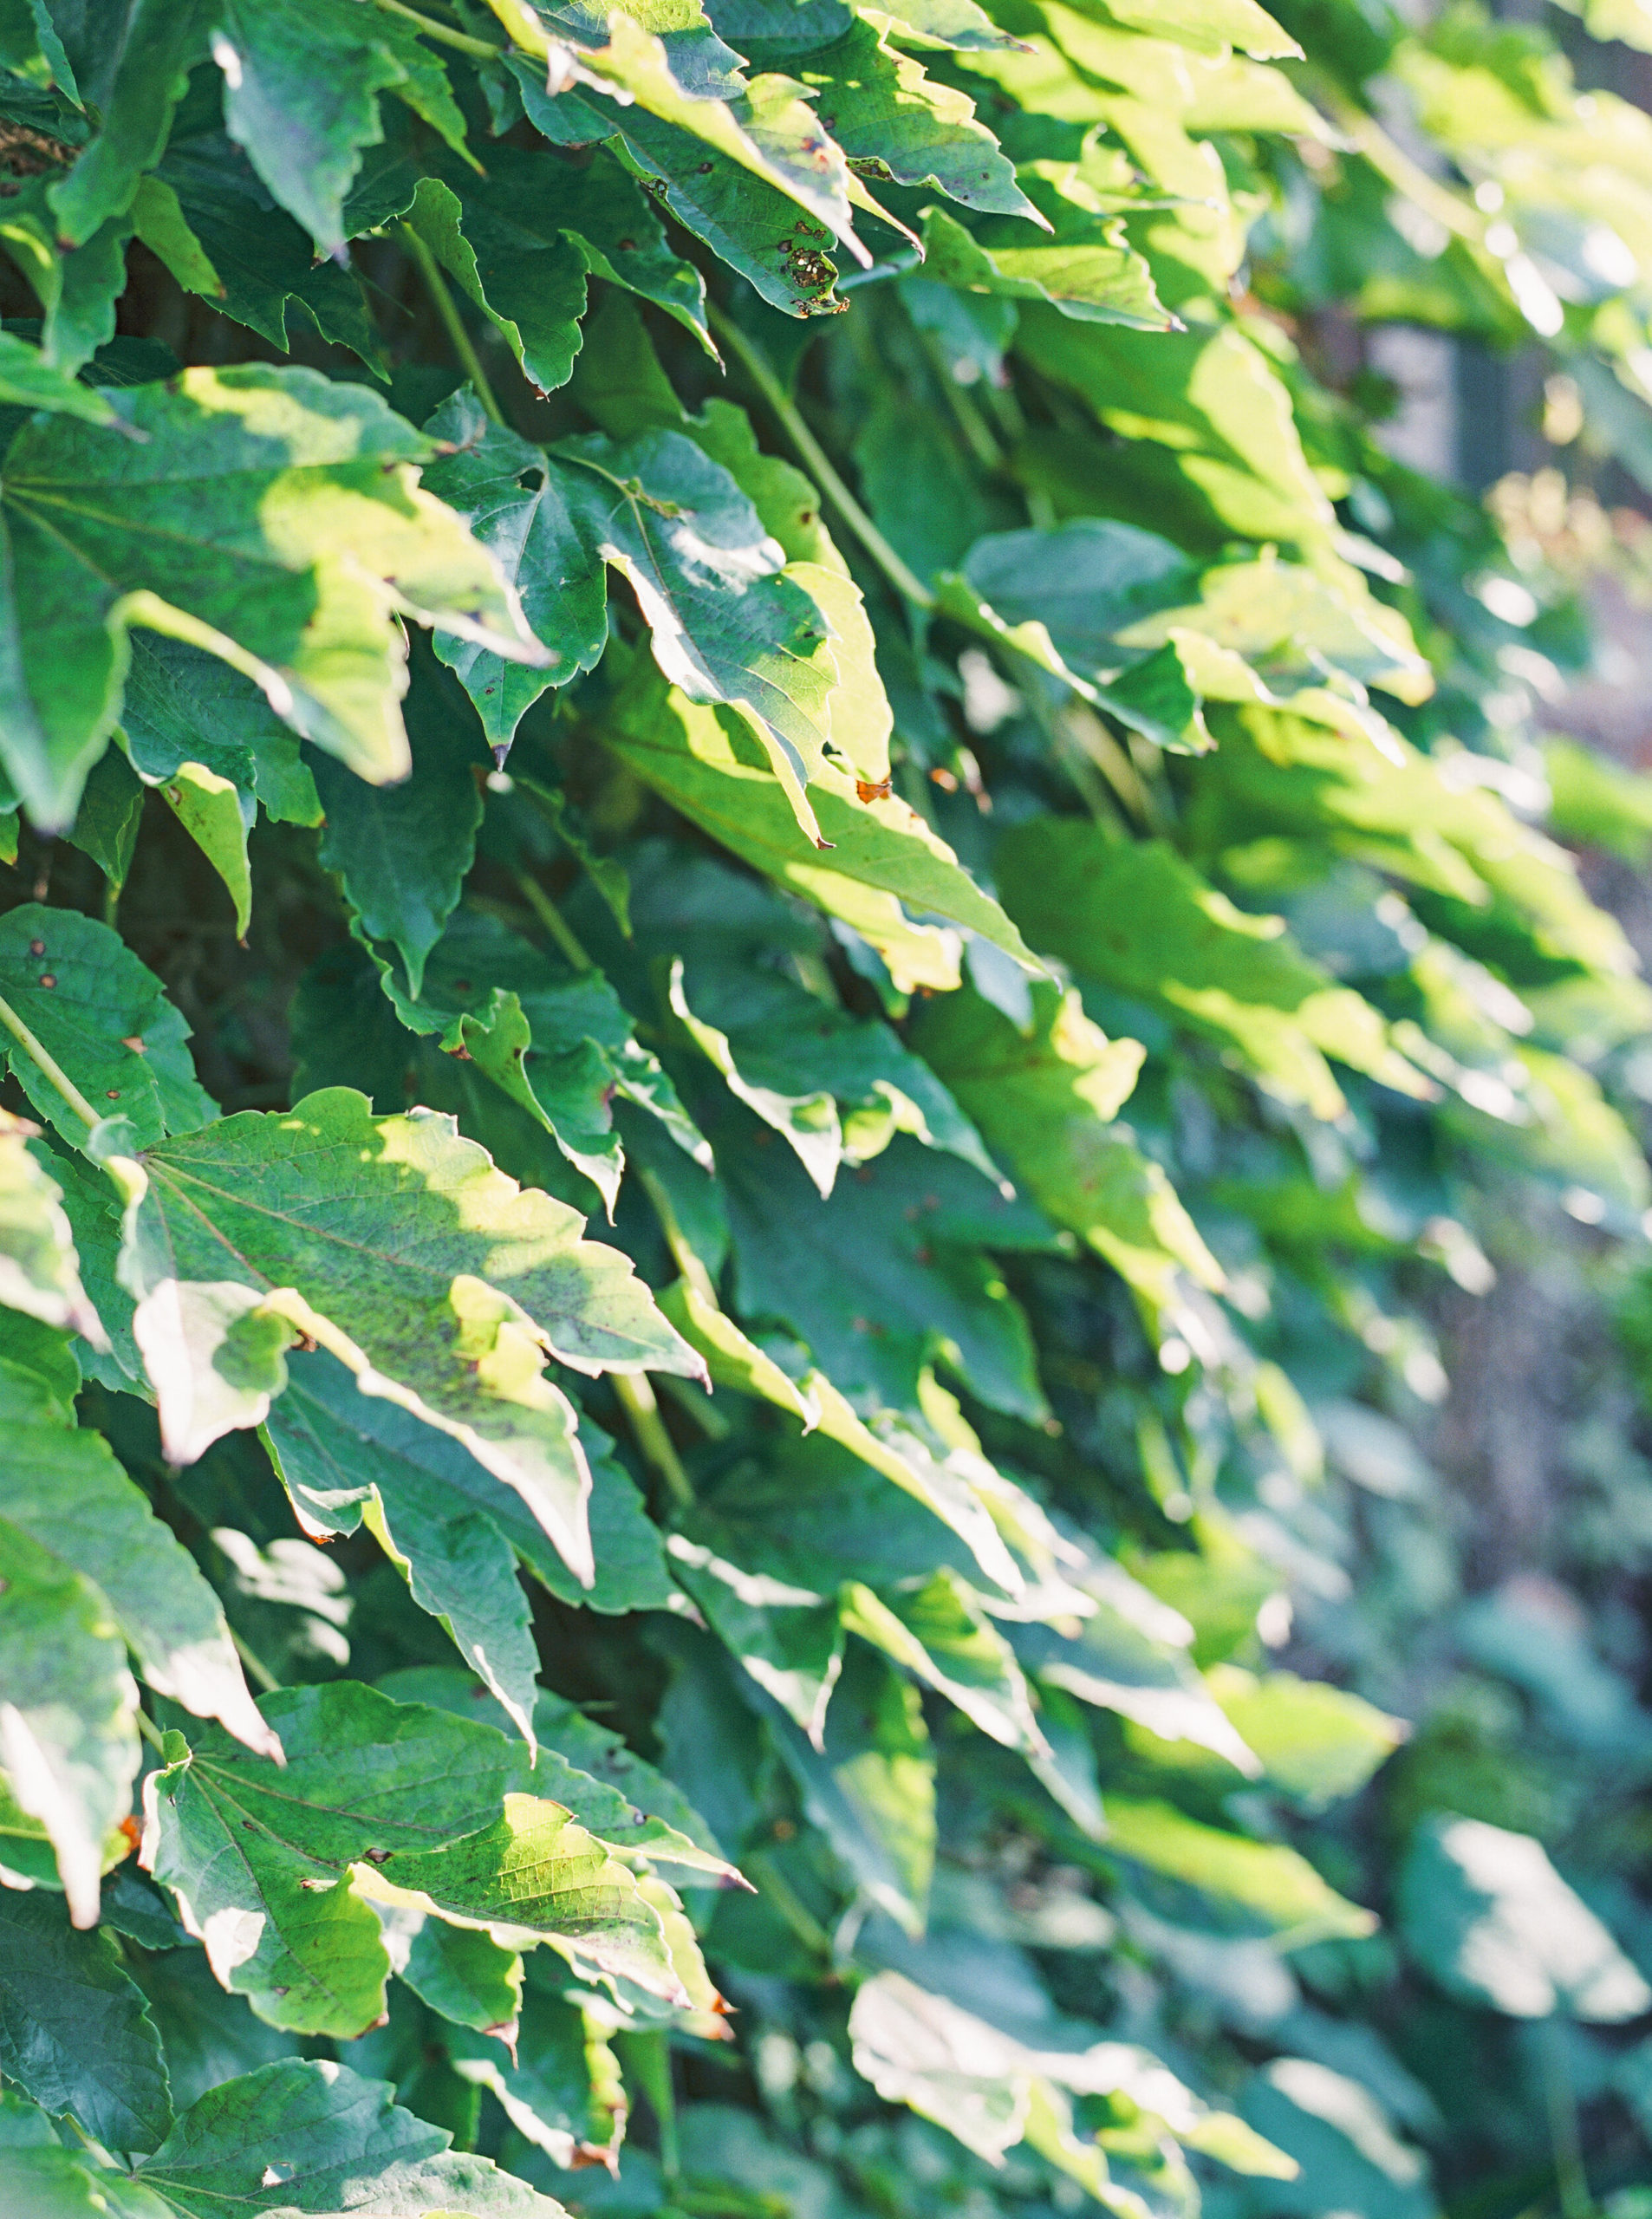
(267, 515)
(396, 1244)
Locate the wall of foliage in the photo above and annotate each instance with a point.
(821, 1231)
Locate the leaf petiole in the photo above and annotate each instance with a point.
(452, 323)
(444, 36)
(899, 577)
(637, 1400)
(48, 1065)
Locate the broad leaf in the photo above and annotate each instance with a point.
(39, 1271)
(104, 1017)
(373, 1235)
(74, 2032)
(308, 2136)
(1135, 916)
(61, 1486)
(1047, 1097)
(265, 514)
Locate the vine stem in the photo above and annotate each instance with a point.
(40, 1054)
(636, 1397)
(750, 360)
(257, 1668)
(441, 32)
(553, 921)
(452, 323)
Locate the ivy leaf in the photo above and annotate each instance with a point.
(68, 1739)
(1086, 269)
(74, 2030)
(421, 1494)
(940, 1633)
(184, 706)
(326, 2136)
(61, 1486)
(251, 260)
(301, 82)
(403, 851)
(257, 1856)
(535, 1875)
(518, 508)
(561, 1045)
(1046, 1097)
(522, 242)
(888, 1274)
(105, 1018)
(28, 380)
(377, 1232)
(463, 1974)
(562, 2091)
(871, 1788)
(1488, 1917)
(1138, 917)
(883, 854)
(141, 65)
(838, 1088)
(39, 1271)
(889, 117)
(267, 515)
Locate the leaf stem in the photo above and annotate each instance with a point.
(554, 921)
(48, 1063)
(636, 1395)
(441, 32)
(903, 579)
(257, 1668)
(452, 323)
(151, 1732)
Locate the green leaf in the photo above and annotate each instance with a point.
(378, 1232)
(251, 260)
(1086, 269)
(142, 71)
(870, 1788)
(1046, 1097)
(519, 509)
(28, 380)
(1315, 1741)
(883, 853)
(67, 1737)
(940, 1633)
(325, 2135)
(420, 1494)
(39, 1271)
(76, 286)
(522, 241)
(301, 82)
(60, 1484)
(258, 1855)
(561, 2091)
(1135, 916)
(535, 1875)
(403, 851)
(1340, 2137)
(265, 514)
(1256, 1885)
(184, 706)
(104, 1017)
(74, 2032)
(466, 1977)
(1487, 1915)
(892, 121)
(561, 1045)
(887, 1275)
